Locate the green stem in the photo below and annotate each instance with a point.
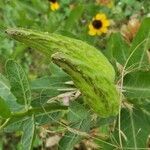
(18, 115)
(4, 124)
(37, 110)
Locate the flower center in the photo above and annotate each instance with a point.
(53, 1)
(97, 24)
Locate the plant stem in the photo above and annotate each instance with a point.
(38, 110)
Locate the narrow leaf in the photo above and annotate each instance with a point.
(117, 49)
(140, 45)
(135, 125)
(28, 134)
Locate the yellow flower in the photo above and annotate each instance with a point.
(54, 5)
(99, 25)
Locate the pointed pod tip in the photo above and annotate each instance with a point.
(12, 32)
(9, 31)
(17, 33)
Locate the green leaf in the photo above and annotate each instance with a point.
(46, 118)
(134, 128)
(78, 131)
(74, 16)
(19, 83)
(140, 46)
(43, 115)
(6, 94)
(25, 125)
(39, 112)
(77, 112)
(4, 109)
(28, 134)
(80, 119)
(56, 71)
(48, 87)
(49, 83)
(117, 49)
(135, 125)
(137, 84)
(15, 126)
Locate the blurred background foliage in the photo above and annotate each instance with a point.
(71, 19)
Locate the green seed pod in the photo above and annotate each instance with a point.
(89, 68)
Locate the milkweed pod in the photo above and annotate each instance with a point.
(89, 68)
